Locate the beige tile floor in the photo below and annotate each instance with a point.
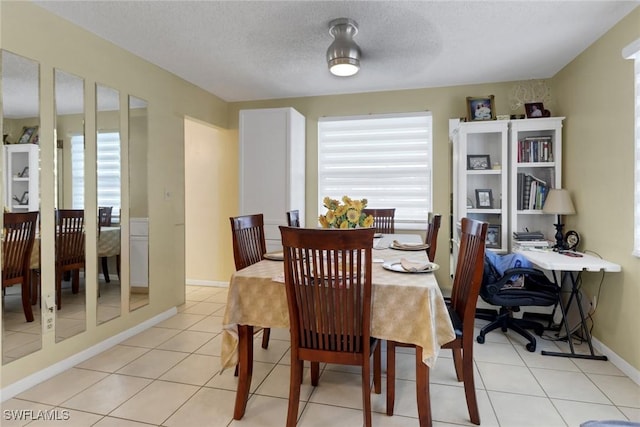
(168, 376)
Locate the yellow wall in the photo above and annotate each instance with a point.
(444, 103)
(211, 182)
(595, 93)
(55, 43)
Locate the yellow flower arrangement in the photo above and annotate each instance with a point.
(346, 215)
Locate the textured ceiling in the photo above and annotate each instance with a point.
(249, 50)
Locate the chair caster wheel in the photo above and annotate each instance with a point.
(480, 339)
(531, 347)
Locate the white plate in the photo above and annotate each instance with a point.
(419, 248)
(397, 267)
(274, 256)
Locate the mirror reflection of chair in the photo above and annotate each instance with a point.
(328, 273)
(104, 220)
(69, 249)
(249, 247)
(383, 219)
(17, 244)
(462, 309)
(293, 218)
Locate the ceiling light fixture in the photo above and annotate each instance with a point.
(343, 56)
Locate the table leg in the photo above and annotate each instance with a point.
(574, 296)
(245, 369)
(422, 390)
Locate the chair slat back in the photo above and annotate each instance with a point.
(432, 235)
(383, 219)
(249, 244)
(328, 285)
(17, 244)
(70, 238)
(293, 218)
(469, 269)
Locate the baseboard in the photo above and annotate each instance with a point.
(217, 284)
(620, 363)
(51, 371)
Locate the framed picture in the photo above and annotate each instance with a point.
(534, 110)
(478, 162)
(484, 199)
(493, 236)
(479, 109)
(28, 133)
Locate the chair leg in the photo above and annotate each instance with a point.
(294, 391)
(35, 286)
(315, 373)
(377, 368)
(469, 385)
(391, 376)
(366, 391)
(75, 281)
(59, 290)
(422, 390)
(26, 297)
(266, 333)
(457, 363)
(105, 268)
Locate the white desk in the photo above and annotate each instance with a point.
(562, 266)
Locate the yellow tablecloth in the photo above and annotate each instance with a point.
(407, 307)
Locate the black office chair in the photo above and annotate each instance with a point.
(516, 287)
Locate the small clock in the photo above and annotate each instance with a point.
(572, 239)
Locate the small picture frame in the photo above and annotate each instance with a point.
(28, 134)
(484, 199)
(534, 110)
(481, 108)
(477, 162)
(494, 236)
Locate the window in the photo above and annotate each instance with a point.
(108, 171)
(632, 51)
(386, 159)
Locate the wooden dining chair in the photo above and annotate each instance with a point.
(249, 247)
(70, 256)
(383, 219)
(17, 244)
(293, 218)
(432, 235)
(327, 277)
(464, 297)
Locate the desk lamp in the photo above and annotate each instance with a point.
(558, 202)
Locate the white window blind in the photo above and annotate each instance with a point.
(107, 169)
(386, 159)
(632, 51)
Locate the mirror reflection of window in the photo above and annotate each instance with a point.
(69, 124)
(108, 177)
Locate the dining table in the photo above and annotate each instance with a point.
(407, 307)
(108, 245)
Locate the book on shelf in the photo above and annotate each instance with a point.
(534, 243)
(532, 191)
(535, 149)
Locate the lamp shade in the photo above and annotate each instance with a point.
(558, 202)
(343, 56)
